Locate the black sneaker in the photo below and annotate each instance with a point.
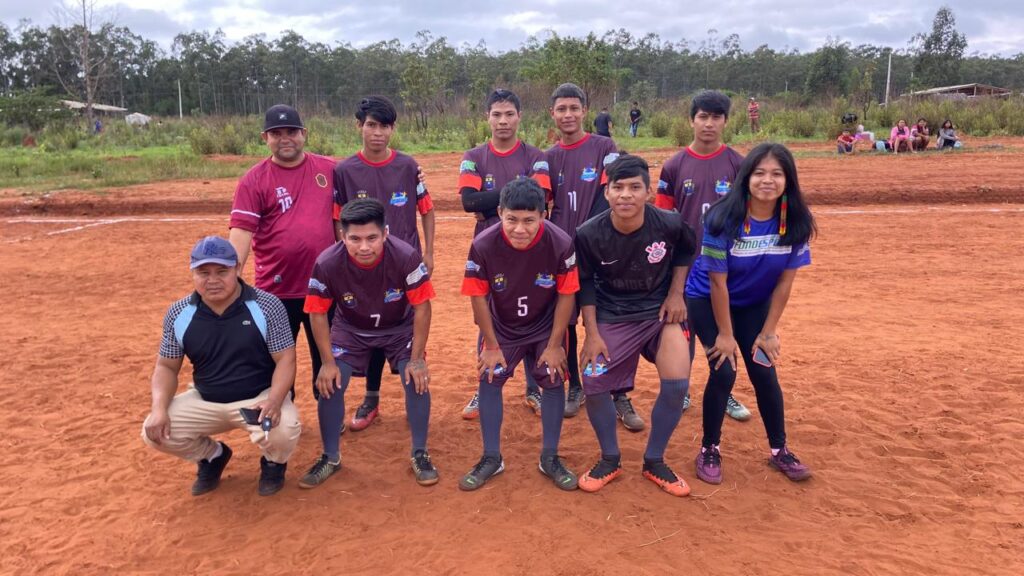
(574, 401)
(551, 466)
(208, 473)
(627, 414)
(686, 402)
(271, 477)
(487, 467)
(319, 472)
(423, 468)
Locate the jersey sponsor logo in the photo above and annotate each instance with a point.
(662, 185)
(489, 182)
(758, 246)
(610, 158)
(688, 187)
(362, 194)
(570, 261)
(282, 116)
(337, 351)
(317, 285)
(467, 166)
(542, 165)
(472, 266)
(603, 263)
(392, 295)
(416, 275)
(722, 187)
(656, 252)
(399, 199)
(589, 174)
(349, 300)
(499, 282)
(545, 281)
(321, 180)
(246, 323)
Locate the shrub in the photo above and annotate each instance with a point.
(661, 125)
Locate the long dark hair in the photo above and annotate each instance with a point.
(727, 215)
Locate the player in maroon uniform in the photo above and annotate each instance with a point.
(577, 161)
(697, 176)
(484, 172)
(522, 278)
(282, 210)
(377, 171)
(633, 262)
(382, 289)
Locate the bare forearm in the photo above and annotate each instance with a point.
(322, 335)
(164, 384)
(429, 219)
(780, 297)
(564, 308)
(720, 304)
(284, 375)
(420, 330)
(242, 241)
(590, 318)
(482, 315)
(679, 274)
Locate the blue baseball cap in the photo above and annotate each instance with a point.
(213, 250)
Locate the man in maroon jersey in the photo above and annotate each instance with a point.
(282, 210)
(484, 172)
(522, 278)
(377, 171)
(696, 177)
(577, 161)
(382, 290)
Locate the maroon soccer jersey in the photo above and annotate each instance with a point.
(484, 170)
(372, 300)
(288, 211)
(523, 284)
(395, 182)
(691, 183)
(578, 177)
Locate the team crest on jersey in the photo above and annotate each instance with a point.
(317, 285)
(722, 187)
(349, 300)
(392, 295)
(656, 252)
(337, 351)
(472, 266)
(467, 166)
(321, 180)
(589, 174)
(399, 199)
(489, 182)
(499, 282)
(362, 194)
(545, 281)
(688, 187)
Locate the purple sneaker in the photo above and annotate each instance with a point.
(787, 463)
(709, 465)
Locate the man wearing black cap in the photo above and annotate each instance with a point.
(283, 209)
(243, 356)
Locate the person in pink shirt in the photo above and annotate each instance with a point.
(899, 138)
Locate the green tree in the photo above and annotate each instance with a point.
(828, 70)
(939, 54)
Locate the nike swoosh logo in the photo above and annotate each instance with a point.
(603, 263)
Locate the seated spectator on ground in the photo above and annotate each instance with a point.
(863, 136)
(845, 143)
(947, 136)
(920, 135)
(899, 138)
(240, 345)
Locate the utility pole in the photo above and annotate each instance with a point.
(181, 115)
(888, 79)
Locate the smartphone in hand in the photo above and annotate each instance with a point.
(761, 358)
(250, 415)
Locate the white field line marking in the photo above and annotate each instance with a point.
(930, 209)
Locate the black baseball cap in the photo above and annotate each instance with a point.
(282, 116)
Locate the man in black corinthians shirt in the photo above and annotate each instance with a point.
(633, 260)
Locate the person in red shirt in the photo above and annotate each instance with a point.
(845, 143)
(282, 212)
(754, 113)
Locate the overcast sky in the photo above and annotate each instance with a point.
(991, 26)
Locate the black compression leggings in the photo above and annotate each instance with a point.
(747, 322)
(297, 318)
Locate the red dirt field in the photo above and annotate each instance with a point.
(902, 369)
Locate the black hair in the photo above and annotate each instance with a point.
(712, 102)
(377, 107)
(628, 166)
(502, 95)
(920, 119)
(569, 90)
(727, 215)
(523, 194)
(604, 108)
(362, 211)
(948, 121)
(635, 103)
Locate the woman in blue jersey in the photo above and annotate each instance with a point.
(755, 239)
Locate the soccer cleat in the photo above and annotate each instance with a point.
(600, 475)
(271, 477)
(709, 465)
(658, 472)
(735, 410)
(787, 463)
(364, 416)
(574, 401)
(552, 467)
(686, 401)
(533, 399)
(485, 469)
(319, 472)
(209, 472)
(472, 410)
(423, 469)
(630, 419)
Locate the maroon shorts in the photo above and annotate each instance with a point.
(626, 342)
(355, 350)
(528, 355)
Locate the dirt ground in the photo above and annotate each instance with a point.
(902, 373)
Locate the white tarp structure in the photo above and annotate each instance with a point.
(136, 119)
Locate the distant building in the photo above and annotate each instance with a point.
(962, 92)
(96, 108)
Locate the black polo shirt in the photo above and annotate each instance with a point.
(230, 354)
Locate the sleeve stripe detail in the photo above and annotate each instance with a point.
(336, 212)
(665, 201)
(475, 287)
(425, 204)
(470, 181)
(421, 293)
(317, 305)
(245, 212)
(544, 180)
(714, 253)
(568, 283)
